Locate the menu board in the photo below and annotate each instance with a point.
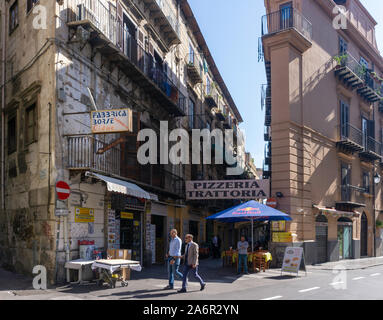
(292, 259)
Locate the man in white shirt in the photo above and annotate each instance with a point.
(242, 247)
(174, 258)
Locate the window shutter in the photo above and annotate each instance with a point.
(120, 27)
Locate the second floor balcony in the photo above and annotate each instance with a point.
(372, 149)
(105, 33)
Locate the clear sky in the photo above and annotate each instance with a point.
(231, 30)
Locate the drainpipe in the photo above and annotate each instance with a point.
(3, 19)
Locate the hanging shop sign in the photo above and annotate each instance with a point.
(83, 215)
(112, 121)
(227, 189)
(282, 237)
(278, 226)
(127, 215)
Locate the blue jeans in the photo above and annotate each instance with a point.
(186, 271)
(242, 259)
(173, 270)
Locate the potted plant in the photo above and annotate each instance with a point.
(340, 60)
(379, 224)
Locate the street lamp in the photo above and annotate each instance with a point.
(377, 178)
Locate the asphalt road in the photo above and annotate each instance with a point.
(361, 284)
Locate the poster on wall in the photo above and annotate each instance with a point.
(111, 228)
(292, 260)
(153, 242)
(83, 215)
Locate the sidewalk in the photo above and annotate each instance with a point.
(354, 264)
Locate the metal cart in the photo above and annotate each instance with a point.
(108, 268)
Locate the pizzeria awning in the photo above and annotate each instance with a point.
(125, 187)
(337, 212)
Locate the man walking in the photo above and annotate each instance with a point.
(191, 263)
(242, 254)
(174, 258)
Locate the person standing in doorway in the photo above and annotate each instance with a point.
(242, 247)
(174, 258)
(191, 263)
(215, 247)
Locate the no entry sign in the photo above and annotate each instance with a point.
(62, 190)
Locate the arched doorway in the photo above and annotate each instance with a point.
(364, 236)
(345, 238)
(321, 233)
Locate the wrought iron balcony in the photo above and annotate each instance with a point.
(193, 69)
(197, 122)
(372, 150)
(350, 139)
(286, 19)
(105, 32)
(267, 134)
(88, 153)
(165, 17)
(357, 77)
(351, 197)
(211, 96)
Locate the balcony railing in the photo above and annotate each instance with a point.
(286, 19)
(372, 149)
(95, 13)
(353, 194)
(357, 76)
(211, 96)
(169, 14)
(193, 68)
(88, 153)
(349, 133)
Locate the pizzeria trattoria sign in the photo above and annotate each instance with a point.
(227, 189)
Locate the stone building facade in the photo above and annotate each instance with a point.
(145, 55)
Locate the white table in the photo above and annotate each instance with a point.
(78, 264)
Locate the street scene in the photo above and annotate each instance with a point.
(189, 150)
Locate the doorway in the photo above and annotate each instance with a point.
(321, 230)
(161, 238)
(193, 229)
(345, 238)
(286, 15)
(364, 236)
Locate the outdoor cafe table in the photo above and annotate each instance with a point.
(230, 257)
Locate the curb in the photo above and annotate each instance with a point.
(347, 268)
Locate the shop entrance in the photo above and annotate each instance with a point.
(345, 238)
(364, 236)
(161, 238)
(130, 232)
(321, 230)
